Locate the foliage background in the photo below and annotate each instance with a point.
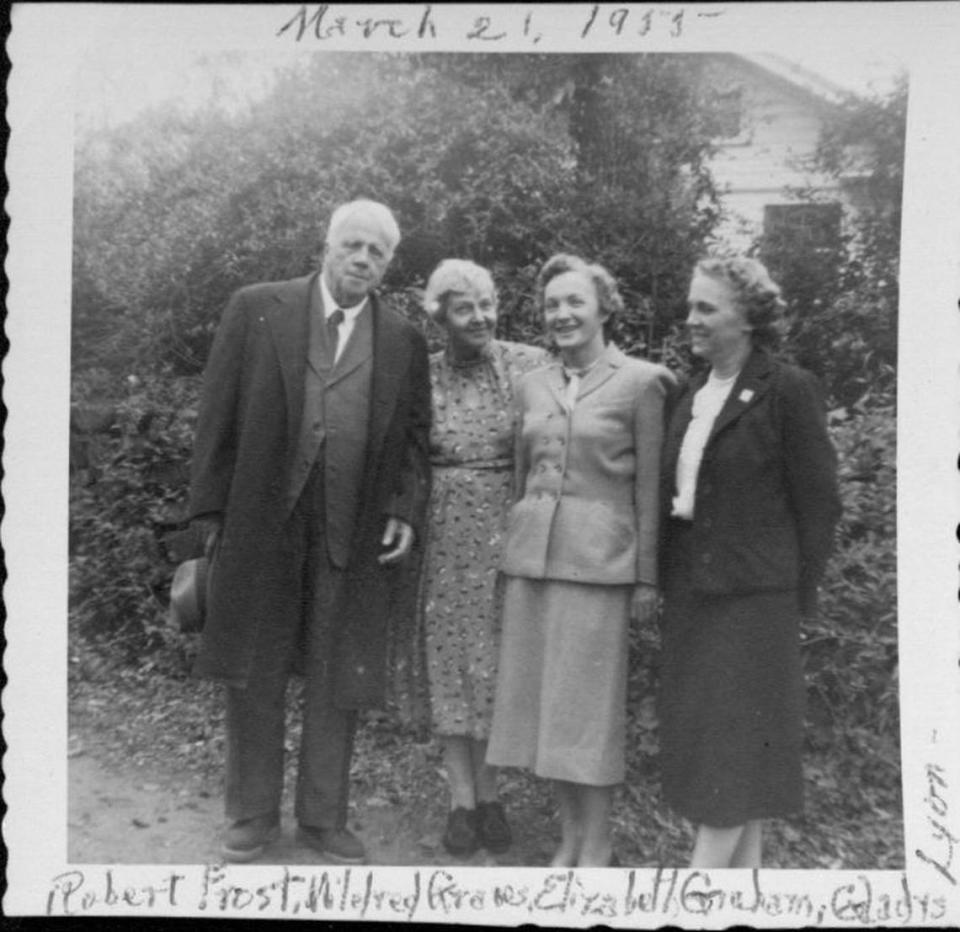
(503, 159)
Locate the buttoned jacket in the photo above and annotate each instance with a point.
(245, 452)
(766, 501)
(588, 478)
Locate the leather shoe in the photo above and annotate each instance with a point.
(338, 844)
(492, 827)
(461, 837)
(246, 839)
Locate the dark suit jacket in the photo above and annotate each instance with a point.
(247, 432)
(766, 500)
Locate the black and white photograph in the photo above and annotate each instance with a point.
(483, 464)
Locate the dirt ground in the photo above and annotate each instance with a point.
(145, 781)
(137, 817)
(135, 811)
(149, 818)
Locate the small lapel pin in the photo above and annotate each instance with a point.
(746, 395)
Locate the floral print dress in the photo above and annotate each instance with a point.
(471, 451)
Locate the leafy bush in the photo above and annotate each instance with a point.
(489, 157)
(128, 487)
(851, 651)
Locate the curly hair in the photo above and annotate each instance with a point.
(605, 285)
(756, 293)
(453, 275)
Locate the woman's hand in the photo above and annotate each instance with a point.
(643, 603)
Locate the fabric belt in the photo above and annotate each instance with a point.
(485, 466)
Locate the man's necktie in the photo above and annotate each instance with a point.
(333, 334)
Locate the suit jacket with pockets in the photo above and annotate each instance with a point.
(766, 501)
(247, 442)
(588, 480)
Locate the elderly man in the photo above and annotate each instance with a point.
(310, 477)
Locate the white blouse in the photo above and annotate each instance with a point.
(706, 406)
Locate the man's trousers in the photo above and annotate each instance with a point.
(256, 714)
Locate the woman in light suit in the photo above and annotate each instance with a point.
(580, 556)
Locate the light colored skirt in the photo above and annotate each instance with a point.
(560, 707)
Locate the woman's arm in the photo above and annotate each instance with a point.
(520, 462)
(409, 502)
(811, 470)
(648, 430)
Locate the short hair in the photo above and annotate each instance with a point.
(454, 275)
(756, 293)
(605, 285)
(380, 213)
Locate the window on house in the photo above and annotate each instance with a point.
(802, 246)
(806, 227)
(725, 120)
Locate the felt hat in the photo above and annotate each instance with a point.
(188, 595)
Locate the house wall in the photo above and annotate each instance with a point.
(780, 128)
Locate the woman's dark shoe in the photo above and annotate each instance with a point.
(492, 827)
(461, 836)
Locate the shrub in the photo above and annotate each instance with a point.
(851, 650)
(128, 486)
(501, 159)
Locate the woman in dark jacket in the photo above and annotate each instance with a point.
(750, 491)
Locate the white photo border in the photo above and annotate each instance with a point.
(47, 46)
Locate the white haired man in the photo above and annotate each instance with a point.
(310, 478)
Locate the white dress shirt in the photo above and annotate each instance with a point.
(350, 315)
(706, 406)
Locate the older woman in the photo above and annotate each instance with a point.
(580, 556)
(471, 449)
(750, 485)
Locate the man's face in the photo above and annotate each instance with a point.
(355, 258)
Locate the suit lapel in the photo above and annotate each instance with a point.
(289, 320)
(357, 350)
(749, 388)
(556, 383)
(390, 362)
(316, 315)
(609, 363)
(679, 422)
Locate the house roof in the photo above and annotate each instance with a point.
(799, 77)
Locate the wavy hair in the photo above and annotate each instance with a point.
(453, 275)
(756, 293)
(605, 285)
